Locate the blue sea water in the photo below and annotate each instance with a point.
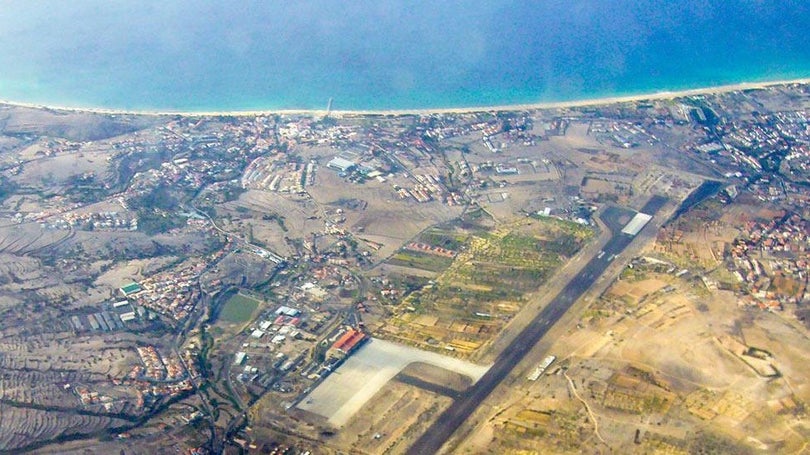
(387, 54)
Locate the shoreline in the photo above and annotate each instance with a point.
(654, 96)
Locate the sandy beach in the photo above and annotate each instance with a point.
(662, 95)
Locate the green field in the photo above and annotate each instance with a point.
(238, 309)
(424, 261)
(444, 238)
(478, 291)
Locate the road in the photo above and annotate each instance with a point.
(275, 258)
(458, 412)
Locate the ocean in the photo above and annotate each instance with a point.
(209, 55)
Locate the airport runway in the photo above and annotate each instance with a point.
(451, 419)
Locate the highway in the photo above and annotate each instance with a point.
(461, 408)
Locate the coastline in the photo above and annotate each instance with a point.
(661, 95)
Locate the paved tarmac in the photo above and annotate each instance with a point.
(358, 379)
(451, 419)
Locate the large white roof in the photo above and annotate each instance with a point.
(636, 224)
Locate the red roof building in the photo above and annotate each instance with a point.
(349, 341)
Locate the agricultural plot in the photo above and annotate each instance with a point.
(484, 285)
(421, 260)
(449, 238)
(522, 428)
(434, 249)
(637, 392)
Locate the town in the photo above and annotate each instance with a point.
(255, 284)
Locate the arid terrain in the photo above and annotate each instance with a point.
(299, 283)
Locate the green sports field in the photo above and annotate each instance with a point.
(238, 309)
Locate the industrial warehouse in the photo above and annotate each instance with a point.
(636, 224)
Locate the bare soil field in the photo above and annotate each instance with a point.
(391, 420)
(662, 363)
(55, 171)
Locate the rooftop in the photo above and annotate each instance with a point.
(341, 164)
(636, 224)
(349, 340)
(131, 288)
